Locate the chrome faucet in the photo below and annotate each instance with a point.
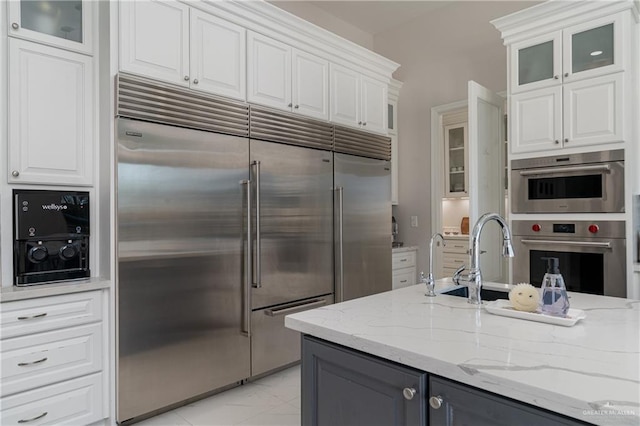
(429, 281)
(474, 279)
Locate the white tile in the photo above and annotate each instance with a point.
(282, 415)
(285, 385)
(167, 419)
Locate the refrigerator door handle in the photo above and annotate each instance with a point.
(295, 308)
(340, 258)
(257, 283)
(246, 309)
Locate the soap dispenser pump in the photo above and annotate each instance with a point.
(554, 300)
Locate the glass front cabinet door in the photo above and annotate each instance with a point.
(537, 62)
(58, 23)
(456, 160)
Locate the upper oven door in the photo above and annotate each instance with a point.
(580, 188)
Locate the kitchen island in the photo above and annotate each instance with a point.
(589, 372)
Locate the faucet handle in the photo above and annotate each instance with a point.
(422, 277)
(456, 275)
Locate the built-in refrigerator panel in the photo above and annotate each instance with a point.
(362, 217)
(292, 226)
(182, 313)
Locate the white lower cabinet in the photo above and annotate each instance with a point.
(53, 351)
(404, 268)
(454, 255)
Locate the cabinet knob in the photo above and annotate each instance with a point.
(15, 26)
(556, 77)
(359, 122)
(435, 402)
(364, 123)
(195, 81)
(186, 78)
(556, 141)
(566, 74)
(566, 140)
(290, 105)
(15, 173)
(408, 393)
(297, 106)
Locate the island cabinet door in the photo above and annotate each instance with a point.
(345, 387)
(452, 403)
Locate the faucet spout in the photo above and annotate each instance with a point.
(474, 279)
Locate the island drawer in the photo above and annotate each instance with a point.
(404, 260)
(42, 359)
(49, 313)
(403, 278)
(74, 402)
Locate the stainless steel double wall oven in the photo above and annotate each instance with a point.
(231, 216)
(592, 253)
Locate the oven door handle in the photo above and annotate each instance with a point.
(553, 170)
(569, 243)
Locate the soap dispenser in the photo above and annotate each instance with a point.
(554, 300)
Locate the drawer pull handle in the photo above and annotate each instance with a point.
(32, 317)
(403, 260)
(24, 364)
(458, 246)
(403, 281)
(33, 418)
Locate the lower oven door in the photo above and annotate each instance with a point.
(272, 344)
(588, 265)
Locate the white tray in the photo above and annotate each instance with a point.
(503, 307)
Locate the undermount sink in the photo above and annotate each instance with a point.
(485, 294)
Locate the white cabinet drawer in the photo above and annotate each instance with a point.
(49, 313)
(42, 359)
(403, 278)
(456, 246)
(454, 260)
(74, 402)
(404, 260)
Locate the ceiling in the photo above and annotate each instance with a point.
(377, 16)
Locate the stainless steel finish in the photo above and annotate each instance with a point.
(610, 164)
(295, 307)
(435, 402)
(273, 345)
(186, 78)
(44, 314)
(552, 170)
(15, 25)
(568, 243)
(15, 173)
(457, 275)
(295, 223)
(340, 243)
(257, 280)
(366, 206)
(357, 142)
(474, 279)
(32, 419)
(248, 263)
(430, 282)
(277, 126)
(40, 361)
(409, 393)
(150, 100)
(180, 253)
(609, 242)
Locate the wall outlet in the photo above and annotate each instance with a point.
(414, 221)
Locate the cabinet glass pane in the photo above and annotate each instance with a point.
(390, 116)
(535, 63)
(592, 48)
(59, 18)
(456, 138)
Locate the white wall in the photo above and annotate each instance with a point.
(323, 19)
(438, 54)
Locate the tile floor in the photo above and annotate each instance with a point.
(271, 401)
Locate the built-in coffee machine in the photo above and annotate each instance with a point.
(51, 236)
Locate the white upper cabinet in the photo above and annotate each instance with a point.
(64, 24)
(581, 51)
(310, 87)
(218, 55)
(154, 39)
(172, 42)
(269, 74)
(357, 100)
(50, 115)
(536, 120)
(283, 77)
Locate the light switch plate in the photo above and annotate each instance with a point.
(414, 221)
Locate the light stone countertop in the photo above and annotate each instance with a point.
(404, 249)
(13, 293)
(590, 371)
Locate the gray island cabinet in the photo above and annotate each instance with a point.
(400, 358)
(343, 387)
